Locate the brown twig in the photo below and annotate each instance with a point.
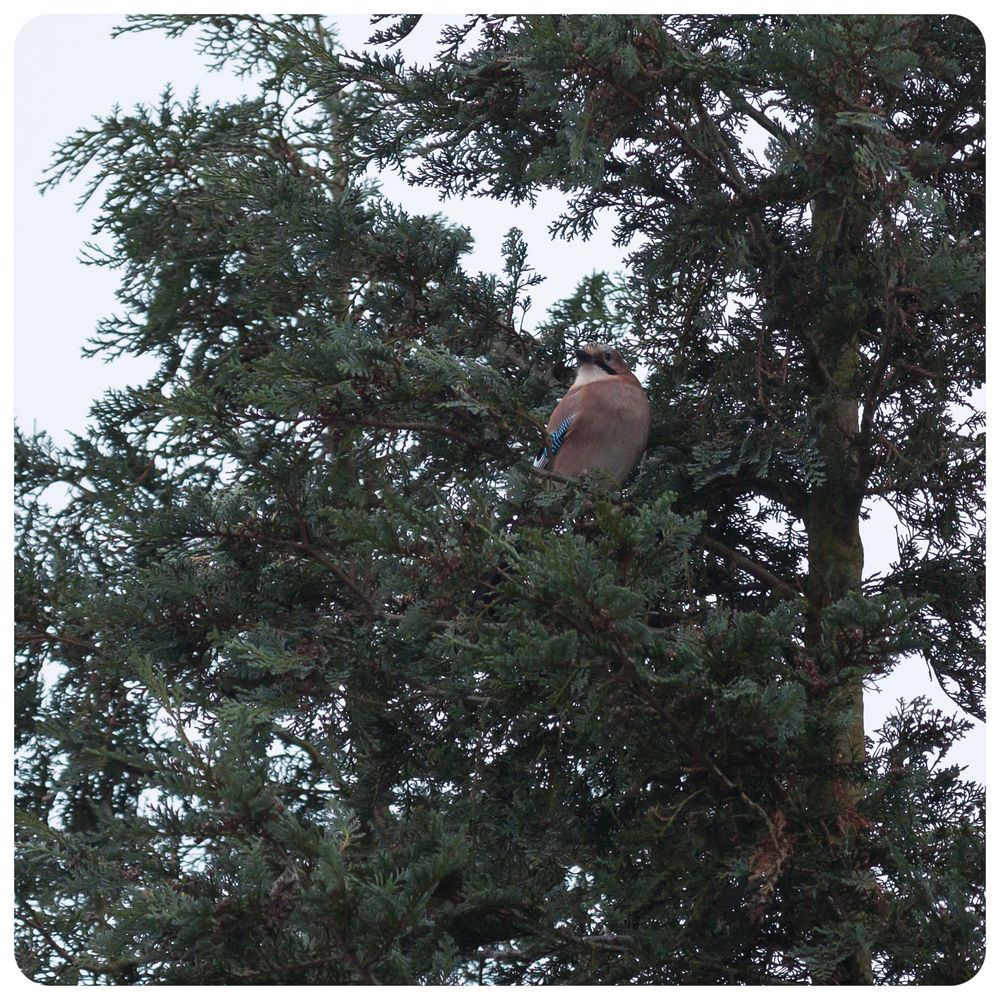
(761, 573)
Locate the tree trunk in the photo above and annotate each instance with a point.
(836, 556)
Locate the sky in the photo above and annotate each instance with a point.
(67, 70)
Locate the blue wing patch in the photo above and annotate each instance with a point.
(556, 437)
(559, 434)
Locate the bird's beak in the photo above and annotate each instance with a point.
(583, 357)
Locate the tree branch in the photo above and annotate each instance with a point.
(747, 564)
(778, 131)
(790, 495)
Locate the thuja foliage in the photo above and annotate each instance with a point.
(318, 681)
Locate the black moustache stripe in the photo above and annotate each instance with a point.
(605, 366)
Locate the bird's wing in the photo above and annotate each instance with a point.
(559, 426)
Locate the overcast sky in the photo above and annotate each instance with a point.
(67, 71)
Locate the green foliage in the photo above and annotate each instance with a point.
(320, 682)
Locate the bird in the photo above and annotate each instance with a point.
(602, 423)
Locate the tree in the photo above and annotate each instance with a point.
(302, 728)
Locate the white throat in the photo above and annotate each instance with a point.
(590, 373)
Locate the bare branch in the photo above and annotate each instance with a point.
(747, 564)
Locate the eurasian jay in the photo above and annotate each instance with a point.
(602, 423)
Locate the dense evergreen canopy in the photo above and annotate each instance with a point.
(281, 719)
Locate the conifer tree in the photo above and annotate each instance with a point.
(281, 719)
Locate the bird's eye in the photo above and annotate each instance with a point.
(607, 355)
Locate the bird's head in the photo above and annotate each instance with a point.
(602, 358)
